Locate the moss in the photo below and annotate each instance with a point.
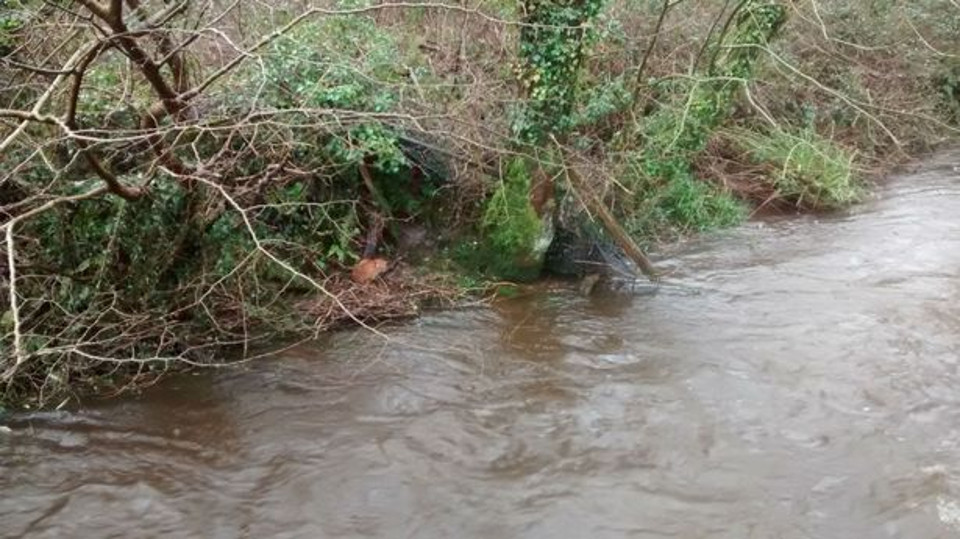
(515, 238)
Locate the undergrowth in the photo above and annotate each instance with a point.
(413, 116)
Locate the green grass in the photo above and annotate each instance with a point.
(807, 169)
(696, 206)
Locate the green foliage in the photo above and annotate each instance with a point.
(306, 229)
(808, 169)
(670, 199)
(368, 139)
(343, 64)
(667, 192)
(339, 63)
(406, 196)
(683, 128)
(758, 22)
(224, 244)
(347, 64)
(142, 252)
(696, 206)
(947, 82)
(99, 245)
(10, 23)
(108, 97)
(600, 100)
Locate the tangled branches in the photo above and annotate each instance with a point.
(186, 180)
(168, 185)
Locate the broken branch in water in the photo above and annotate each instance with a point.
(596, 206)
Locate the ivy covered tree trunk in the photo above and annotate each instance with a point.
(550, 55)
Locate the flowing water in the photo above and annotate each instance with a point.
(794, 379)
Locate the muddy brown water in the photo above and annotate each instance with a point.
(794, 379)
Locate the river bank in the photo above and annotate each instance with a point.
(254, 174)
(428, 275)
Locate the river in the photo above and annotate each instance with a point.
(793, 378)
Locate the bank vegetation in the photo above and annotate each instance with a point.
(184, 181)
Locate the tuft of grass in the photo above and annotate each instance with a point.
(805, 168)
(696, 206)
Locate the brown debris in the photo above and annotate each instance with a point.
(731, 168)
(398, 293)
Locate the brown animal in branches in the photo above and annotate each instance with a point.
(370, 267)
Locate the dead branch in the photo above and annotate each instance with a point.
(610, 223)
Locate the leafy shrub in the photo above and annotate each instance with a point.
(669, 199)
(947, 83)
(344, 63)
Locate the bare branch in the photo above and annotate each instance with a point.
(18, 355)
(34, 114)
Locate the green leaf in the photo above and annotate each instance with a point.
(6, 321)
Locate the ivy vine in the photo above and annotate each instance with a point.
(551, 50)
